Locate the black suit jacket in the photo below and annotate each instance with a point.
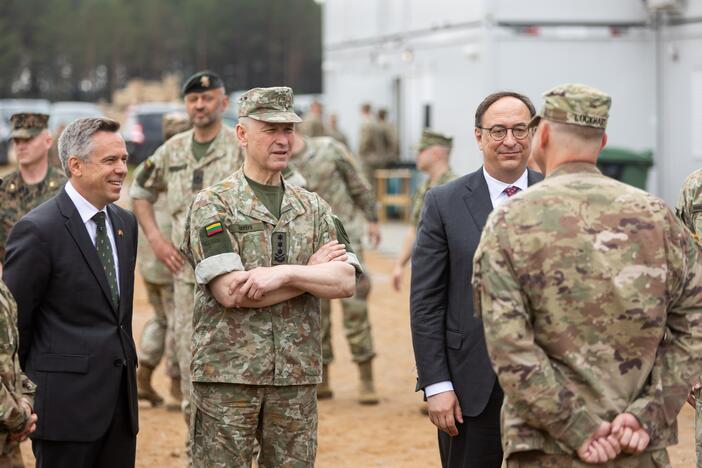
(449, 342)
(75, 344)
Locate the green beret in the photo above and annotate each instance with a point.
(28, 124)
(202, 81)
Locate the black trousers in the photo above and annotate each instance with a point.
(115, 449)
(477, 444)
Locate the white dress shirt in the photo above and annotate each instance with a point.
(86, 210)
(497, 197)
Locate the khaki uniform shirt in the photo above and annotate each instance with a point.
(418, 201)
(18, 198)
(152, 269)
(591, 296)
(371, 145)
(174, 170)
(333, 173)
(14, 385)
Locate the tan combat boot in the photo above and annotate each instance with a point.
(144, 389)
(176, 396)
(367, 395)
(324, 391)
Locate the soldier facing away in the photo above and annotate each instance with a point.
(689, 209)
(590, 294)
(333, 173)
(158, 335)
(264, 254)
(35, 181)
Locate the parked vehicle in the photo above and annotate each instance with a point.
(13, 106)
(65, 112)
(142, 129)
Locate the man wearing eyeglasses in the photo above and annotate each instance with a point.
(454, 371)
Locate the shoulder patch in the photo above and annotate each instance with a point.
(214, 240)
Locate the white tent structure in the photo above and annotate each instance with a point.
(431, 63)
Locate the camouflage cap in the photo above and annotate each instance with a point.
(431, 138)
(202, 81)
(575, 104)
(28, 124)
(174, 123)
(268, 105)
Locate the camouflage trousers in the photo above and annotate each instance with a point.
(158, 338)
(227, 419)
(698, 427)
(538, 459)
(355, 316)
(184, 300)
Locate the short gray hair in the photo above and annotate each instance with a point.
(76, 138)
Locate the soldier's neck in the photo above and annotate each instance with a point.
(35, 172)
(209, 133)
(261, 175)
(437, 170)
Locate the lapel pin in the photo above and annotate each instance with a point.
(120, 232)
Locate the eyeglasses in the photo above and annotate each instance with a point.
(499, 133)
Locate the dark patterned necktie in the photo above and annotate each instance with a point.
(104, 250)
(511, 190)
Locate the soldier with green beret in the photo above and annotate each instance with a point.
(264, 253)
(332, 172)
(34, 181)
(590, 292)
(157, 337)
(178, 170)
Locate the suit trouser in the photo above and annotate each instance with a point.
(114, 449)
(538, 459)
(478, 443)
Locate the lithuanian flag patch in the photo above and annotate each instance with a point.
(214, 228)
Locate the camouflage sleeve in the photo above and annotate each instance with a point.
(677, 361)
(208, 243)
(149, 177)
(522, 367)
(12, 414)
(331, 228)
(682, 209)
(356, 183)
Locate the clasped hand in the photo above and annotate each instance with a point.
(623, 434)
(29, 427)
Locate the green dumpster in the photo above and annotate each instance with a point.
(628, 166)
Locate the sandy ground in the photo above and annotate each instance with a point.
(392, 434)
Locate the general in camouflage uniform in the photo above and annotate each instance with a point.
(332, 172)
(158, 335)
(257, 359)
(590, 292)
(17, 197)
(689, 209)
(16, 390)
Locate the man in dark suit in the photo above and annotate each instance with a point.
(70, 266)
(463, 395)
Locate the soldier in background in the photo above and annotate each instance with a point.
(391, 145)
(179, 169)
(371, 144)
(334, 131)
(689, 209)
(157, 337)
(18, 417)
(312, 124)
(332, 173)
(35, 181)
(54, 159)
(590, 292)
(263, 256)
(433, 152)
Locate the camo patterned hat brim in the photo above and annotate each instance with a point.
(575, 104)
(28, 124)
(431, 138)
(273, 105)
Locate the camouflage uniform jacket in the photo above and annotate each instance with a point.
(151, 268)
(418, 201)
(14, 385)
(231, 230)
(18, 198)
(371, 145)
(591, 299)
(689, 207)
(173, 169)
(333, 173)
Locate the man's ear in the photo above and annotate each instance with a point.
(75, 166)
(241, 135)
(603, 143)
(544, 135)
(478, 137)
